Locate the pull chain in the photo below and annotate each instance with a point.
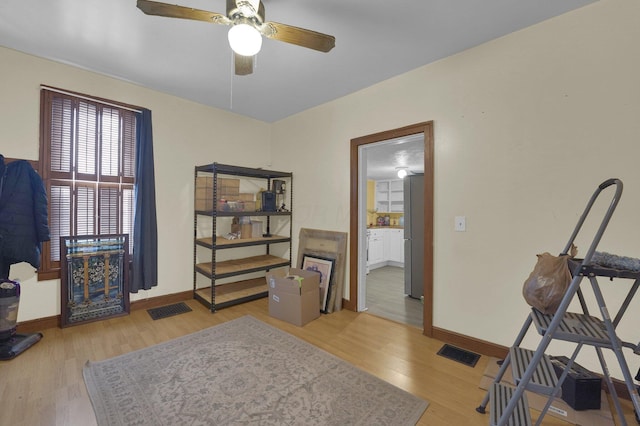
(231, 84)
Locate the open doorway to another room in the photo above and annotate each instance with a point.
(392, 288)
(378, 221)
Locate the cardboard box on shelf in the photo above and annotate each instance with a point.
(256, 229)
(246, 196)
(204, 182)
(249, 206)
(294, 295)
(244, 229)
(204, 193)
(202, 202)
(228, 190)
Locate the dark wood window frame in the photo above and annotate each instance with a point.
(87, 163)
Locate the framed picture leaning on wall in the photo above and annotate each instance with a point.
(94, 278)
(331, 245)
(324, 266)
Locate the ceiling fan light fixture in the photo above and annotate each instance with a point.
(248, 26)
(245, 40)
(248, 7)
(402, 172)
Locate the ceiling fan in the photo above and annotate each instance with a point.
(248, 26)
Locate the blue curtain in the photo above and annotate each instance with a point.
(145, 228)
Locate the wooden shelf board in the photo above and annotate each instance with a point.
(222, 242)
(230, 292)
(246, 264)
(240, 213)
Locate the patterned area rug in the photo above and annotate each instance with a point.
(239, 373)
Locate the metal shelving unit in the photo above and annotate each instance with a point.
(221, 290)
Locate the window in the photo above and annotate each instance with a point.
(87, 162)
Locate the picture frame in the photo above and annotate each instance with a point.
(324, 266)
(326, 244)
(94, 278)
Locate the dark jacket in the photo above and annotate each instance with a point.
(23, 214)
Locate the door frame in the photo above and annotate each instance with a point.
(427, 129)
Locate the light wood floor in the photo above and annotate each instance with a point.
(386, 298)
(44, 385)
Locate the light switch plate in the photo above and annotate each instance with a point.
(460, 223)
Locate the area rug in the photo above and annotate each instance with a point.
(242, 372)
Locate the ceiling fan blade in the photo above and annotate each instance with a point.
(243, 64)
(298, 36)
(174, 11)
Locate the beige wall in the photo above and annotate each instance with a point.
(526, 127)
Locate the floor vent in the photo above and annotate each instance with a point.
(460, 355)
(169, 310)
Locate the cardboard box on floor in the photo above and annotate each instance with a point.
(294, 295)
(559, 408)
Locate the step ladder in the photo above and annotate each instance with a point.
(532, 369)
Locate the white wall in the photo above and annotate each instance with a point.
(185, 134)
(526, 127)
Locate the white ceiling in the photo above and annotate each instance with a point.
(375, 40)
(384, 158)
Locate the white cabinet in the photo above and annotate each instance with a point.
(389, 196)
(386, 247)
(396, 246)
(396, 196)
(382, 196)
(376, 246)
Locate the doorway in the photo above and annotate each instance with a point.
(359, 220)
(389, 168)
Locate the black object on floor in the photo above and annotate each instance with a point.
(169, 310)
(460, 355)
(581, 388)
(17, 344)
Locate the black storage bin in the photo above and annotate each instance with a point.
(581, 389)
